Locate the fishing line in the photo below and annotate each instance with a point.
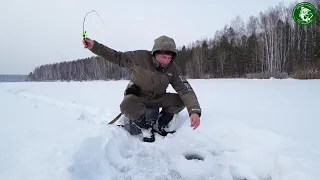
(84, 33)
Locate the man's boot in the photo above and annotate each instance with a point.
(162, 123)
(146, 129)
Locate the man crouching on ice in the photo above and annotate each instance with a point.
(152, 72)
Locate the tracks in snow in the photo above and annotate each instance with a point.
(87, 113)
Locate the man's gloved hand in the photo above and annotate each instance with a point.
(134, 89)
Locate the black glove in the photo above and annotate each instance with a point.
(134, 89)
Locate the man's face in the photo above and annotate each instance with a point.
(164, 57)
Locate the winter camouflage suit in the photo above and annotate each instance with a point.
(152, 80)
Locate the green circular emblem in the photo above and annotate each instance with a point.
(304, 13)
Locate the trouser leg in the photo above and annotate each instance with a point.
(132, 107)
(171, 104)
(135, 109)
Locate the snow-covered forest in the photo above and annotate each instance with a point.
(268, 45)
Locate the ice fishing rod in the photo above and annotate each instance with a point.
(84, 33)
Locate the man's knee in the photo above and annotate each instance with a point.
(177, 100)
(173, 103)
(132, 107)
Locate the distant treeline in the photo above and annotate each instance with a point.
(12, 78)
(270, 45)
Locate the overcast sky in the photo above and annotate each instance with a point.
(36, 32)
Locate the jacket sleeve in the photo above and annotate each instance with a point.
(186, 92)
(122, 59)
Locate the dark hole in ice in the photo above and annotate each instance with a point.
(193, 156)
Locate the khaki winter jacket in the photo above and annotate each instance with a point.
(149, 75)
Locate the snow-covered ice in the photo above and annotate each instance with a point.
(253, 129)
